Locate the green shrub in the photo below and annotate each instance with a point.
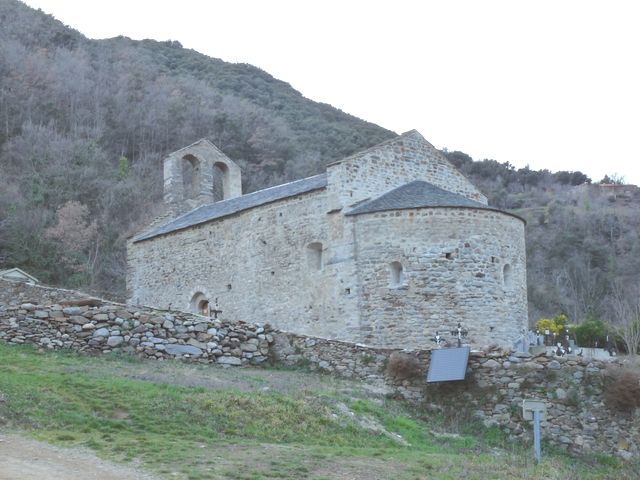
(590, 333)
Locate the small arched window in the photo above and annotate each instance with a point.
(314, 256)
(396, 274)
(507, 277)
(220, 181)
(190, 176)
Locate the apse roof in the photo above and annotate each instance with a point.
(416, 194)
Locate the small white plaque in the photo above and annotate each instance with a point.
(529, 406)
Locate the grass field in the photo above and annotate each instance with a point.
(197, 422)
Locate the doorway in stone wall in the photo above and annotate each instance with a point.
(200, 304)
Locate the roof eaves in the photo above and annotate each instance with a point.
(461, 207)
(319, 184)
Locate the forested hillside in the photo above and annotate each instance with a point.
(84, 125)
(583, 240)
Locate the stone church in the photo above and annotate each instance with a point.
(386, 248)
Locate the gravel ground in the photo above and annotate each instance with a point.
(26, 459)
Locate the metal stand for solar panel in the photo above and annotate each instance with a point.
(535, 410)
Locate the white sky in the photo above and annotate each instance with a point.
(552, 84)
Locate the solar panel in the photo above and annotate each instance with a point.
(448, 364)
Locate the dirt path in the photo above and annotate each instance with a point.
(26, 459)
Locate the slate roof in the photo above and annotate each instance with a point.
(417, 194)
(17, 274)
(224, 208)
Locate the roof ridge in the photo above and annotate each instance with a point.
(275, 186)
(389, 141)
(202, 140)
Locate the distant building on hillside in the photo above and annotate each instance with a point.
(613, 190)
(18, 275)
(385, 248)
(618, 190)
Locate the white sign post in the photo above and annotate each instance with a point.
(535, 410)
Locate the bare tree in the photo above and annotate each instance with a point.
(582, 286)
(625, 305)
(78, 235)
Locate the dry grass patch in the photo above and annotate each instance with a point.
(622, 387)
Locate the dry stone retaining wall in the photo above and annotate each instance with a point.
(578, 418)
(15, 293)
(104, 327)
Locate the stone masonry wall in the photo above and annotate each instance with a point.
(256, 264)
(104, 327)
(453, 263)
(392, 164)
(578, 418)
